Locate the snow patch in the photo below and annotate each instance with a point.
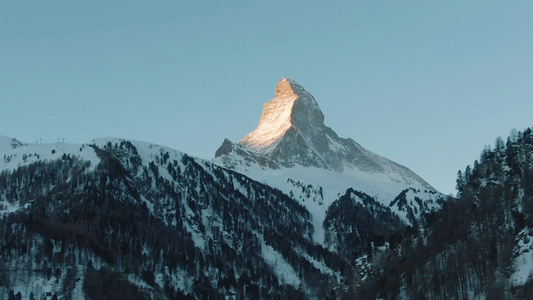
(280, 266)
(25, 154)
(523, 263)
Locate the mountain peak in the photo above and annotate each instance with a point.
(291, 132)
(292, 109)
(287, 86)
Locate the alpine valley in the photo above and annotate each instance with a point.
(292, 211)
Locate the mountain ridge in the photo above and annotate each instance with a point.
(291, 132)
(117, 218)
(152, 221)
(156, 223)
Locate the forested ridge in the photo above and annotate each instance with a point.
(164, 229)
(477, 245)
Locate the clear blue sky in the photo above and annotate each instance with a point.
(425, 83)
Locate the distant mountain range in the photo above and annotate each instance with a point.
(291, 211)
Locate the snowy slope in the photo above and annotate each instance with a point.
(523, 261)
(5, 143)
(207, 208)
(25, 154)
(292, 150)
(292, 133)
(317, 188)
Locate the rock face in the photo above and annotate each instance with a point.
(292, 112)
(291, 133)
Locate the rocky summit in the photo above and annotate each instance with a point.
(292, 133)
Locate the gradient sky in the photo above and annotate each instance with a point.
(425, 83)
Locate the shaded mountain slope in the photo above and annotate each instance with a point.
(156, 223)
(477, 246)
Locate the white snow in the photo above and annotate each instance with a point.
(364, 171)
(333, 185)
(523, 263)
(320, 265)
(280, 266)
(25, 154)
(5, 143)
(6, 208)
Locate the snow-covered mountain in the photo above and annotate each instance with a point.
(117, 218)
(294, 151)
(205, 208)
(291, 133)
(142, 221)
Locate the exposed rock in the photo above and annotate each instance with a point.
(291, 132)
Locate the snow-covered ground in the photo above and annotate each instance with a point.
(523, 262)
(27, 153)
(304, 185)
(15, 154)
(314, 188)
(284, 271)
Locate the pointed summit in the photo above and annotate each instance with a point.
(291, 130)
(292, 109)
(287, 86)
(291, 133)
